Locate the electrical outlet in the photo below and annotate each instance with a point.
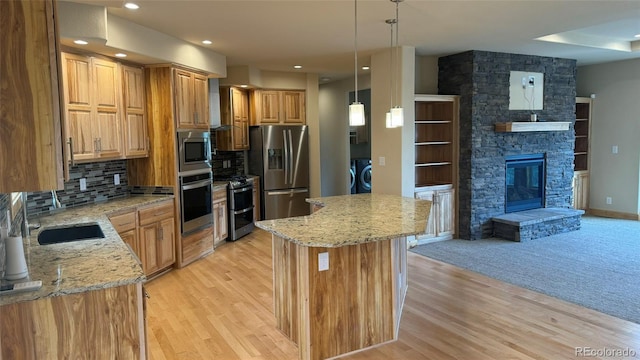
(116, 179)
(83, 184)
(323, 261)
(609, 200)
(532, 81)
(381, 161)
(614, 149)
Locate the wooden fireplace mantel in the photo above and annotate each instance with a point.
(526, 126)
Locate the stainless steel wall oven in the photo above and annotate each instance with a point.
(195, 202)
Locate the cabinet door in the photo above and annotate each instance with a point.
(581, 191)
(183, 94)
(240, 130)
(135, 125)
(431, 230)
(293, 103)
(106, 90)
(166, 248)
(131, 238)
(224, 220)
(78, 104)
(268, 111)
(446, 212)
(30, 134)
(148, 236)
(201, 101)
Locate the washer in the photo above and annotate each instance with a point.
(363, 176)
(352, 176)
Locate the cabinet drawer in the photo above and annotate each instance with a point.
(155, 213)
(124, 222)
(220, 195)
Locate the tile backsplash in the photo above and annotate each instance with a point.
(226, 163)
(100, 187)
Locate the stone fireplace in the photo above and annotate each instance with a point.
(482, 80)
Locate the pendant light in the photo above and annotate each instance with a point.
(388, 123)
(397, 113)
(356, 110)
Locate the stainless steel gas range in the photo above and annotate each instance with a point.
(240, 202)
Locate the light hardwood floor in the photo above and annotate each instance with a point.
(220, 307)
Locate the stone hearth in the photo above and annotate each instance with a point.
(536, 223)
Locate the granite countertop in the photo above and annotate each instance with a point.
(80, 266)
(353, 219)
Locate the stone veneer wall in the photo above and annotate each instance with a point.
(100, 187)
(482, 80)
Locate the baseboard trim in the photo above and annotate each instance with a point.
(613, 214)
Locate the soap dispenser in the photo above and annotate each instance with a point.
(15, 263)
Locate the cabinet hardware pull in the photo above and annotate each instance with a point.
(100, 144)
(70, 142)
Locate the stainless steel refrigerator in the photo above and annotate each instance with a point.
(280, 156)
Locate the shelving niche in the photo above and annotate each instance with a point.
(436, 162)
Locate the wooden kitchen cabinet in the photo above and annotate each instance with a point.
(234, 112)
(92, 101)
(220, 216)
(278, 107)
(136, 141)
(581, 190)
(191, 100)
(126, 225)
(31, 149)
(157, 237)
(441, 222)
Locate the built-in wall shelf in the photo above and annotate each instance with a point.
(526, 126)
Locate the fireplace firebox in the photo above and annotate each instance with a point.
(525, 182)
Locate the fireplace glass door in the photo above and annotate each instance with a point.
(525, 182)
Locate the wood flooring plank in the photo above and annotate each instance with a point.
(221, 307)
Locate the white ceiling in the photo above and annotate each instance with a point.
(319, 34)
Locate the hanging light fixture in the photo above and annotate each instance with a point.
(388, 122)
(356, 110)
(397, 113)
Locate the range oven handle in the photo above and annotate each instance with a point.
(243, 211)
(197, 184)
(242, 189)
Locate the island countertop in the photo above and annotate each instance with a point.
(74, 267)
(353, 219)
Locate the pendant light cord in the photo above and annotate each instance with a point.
(397, 53)
(355, 46)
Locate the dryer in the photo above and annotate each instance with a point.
(352, 176)
(363, 176)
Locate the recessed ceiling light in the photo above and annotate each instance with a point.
(80, 42)
(365, 68)
(636, 35)
(297, 66)
(121, 55)
(207, 42)
(244, 86)
(325, 79)
(131, 6)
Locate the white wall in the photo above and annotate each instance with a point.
(395, 146)
(426, 75)
(616, 121)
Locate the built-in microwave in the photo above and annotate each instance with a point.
(194, 151)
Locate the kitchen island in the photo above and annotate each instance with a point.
(340, 274)
(91, 302)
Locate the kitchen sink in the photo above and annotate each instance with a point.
(67, 233)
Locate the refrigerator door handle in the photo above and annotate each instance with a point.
(287, 192)
(291, 167)
(286, 156)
